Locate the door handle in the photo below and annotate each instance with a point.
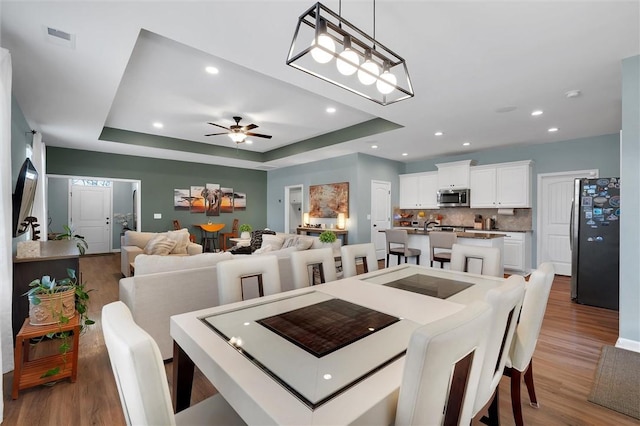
(374, 225)
(571, 225)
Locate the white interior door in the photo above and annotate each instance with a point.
(91, 216)
(380, 215)
(293, 202)
(555, 194)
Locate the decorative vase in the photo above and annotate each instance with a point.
(245, 235)
(52, 307)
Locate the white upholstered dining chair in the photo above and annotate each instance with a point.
(141, 379)
(234, 275)
(519, 358)
(506, 301)
(322, 259)
(464, 258)
(442, 369)
(352, 253)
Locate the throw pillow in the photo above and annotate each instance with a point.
(303, 243)
(181, 237)
(274, 241)
(160, 244)
(289, 242)
(256, 238)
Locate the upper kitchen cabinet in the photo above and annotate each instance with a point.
(418, 191)
(454, 175)
(501, 185)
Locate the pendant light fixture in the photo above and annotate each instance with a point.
(360, 60)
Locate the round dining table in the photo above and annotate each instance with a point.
(209, 233)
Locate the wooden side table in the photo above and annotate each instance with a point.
(28, 373)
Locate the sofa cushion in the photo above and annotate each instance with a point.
(274, 241)
(181, 237)
(159, 245)
(138, 239)
(146, 264)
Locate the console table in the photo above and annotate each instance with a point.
(340, 233)
(54, 260)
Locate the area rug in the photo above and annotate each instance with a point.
(617, 383)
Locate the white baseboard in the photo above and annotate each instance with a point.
(630, 345)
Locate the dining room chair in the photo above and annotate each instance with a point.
(440, 244)
(350, 255)
(224, 236)
(237, 275)
(466, 258)
(305, 263)
(398, 245)
(442, 368)
(505, 301)
(141, 379)
(519, 359)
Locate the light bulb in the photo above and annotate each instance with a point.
(371, 76)
(386, 82)
(318, 53)
(348, 62)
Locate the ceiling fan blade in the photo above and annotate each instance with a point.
(258, 135)
(249, 127)
(217, 125)
(216, 134)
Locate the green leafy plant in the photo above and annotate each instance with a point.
(49, 286)
(245, 227)
(69, 235)
(328, 237)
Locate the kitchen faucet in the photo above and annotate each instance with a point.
(426, 224)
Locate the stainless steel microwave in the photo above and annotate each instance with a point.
(453, 198)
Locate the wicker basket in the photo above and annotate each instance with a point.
(52, 307)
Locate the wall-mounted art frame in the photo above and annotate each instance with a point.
(326, 201)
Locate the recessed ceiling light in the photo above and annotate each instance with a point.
(573, 93)
(374, 146)
(537, 112)
(212, 70)
(248, 141)
(331, 110)
(466, 144)
(553, 129)
(404, 154)
(158, 125)
(438, 133)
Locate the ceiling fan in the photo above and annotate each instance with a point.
(238, 133)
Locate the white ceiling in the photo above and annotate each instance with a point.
(138, 62)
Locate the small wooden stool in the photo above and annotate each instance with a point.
(29, 373)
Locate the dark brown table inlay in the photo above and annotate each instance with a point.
(327, 326)
(430, 285)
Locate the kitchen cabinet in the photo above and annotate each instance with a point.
(418, 190)
(454, 175)
(501, 185)
(517, 250)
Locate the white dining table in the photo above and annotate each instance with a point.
(271, 377)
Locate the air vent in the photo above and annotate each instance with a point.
(59, 37)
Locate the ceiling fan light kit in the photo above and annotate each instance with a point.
(238, 133)
(360, 61)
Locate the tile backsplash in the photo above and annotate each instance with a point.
(464, 216)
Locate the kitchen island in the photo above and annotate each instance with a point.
(419, 238)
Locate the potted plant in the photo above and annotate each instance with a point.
(245, 231)
(52, 302)
(69, 235)
(327, 237)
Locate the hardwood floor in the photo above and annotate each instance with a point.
(564, 366)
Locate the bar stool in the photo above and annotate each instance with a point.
(400, 240)
(441, 240)
(210, 235)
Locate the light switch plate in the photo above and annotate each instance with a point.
(157, 215)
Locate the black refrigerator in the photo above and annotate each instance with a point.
(595, 242)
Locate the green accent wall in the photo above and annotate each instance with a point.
(158, 180)
(630, 196)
